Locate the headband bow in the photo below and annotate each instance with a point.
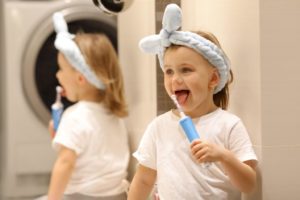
(157, 44)
(65, 44)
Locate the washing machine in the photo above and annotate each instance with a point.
(29, 86)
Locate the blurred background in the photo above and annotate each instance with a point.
(261, 38)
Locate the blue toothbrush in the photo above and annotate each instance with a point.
(57, 108)
(187, 125)
(186, 122)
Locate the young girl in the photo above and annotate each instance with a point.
(221, 164)
(91, 139)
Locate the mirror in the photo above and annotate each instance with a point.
(112, 7)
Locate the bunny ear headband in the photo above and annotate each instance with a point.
(65, 44)
(157, 44)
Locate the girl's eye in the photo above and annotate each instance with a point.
(169, 71)
(186, 69)
(58, 67)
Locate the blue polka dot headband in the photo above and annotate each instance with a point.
(157, 44)
(65, 44)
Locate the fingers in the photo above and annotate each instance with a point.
(51, 129)
(200, 150)
(204, 151)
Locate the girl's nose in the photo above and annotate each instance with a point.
(177, 78)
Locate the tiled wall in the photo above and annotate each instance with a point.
(164, 102)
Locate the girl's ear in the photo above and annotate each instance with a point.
(215, 79)
(81, 79)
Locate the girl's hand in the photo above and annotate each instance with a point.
(206, 152)
(51, 129)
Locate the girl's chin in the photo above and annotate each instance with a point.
(72, 100)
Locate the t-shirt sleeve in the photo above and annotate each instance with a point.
(240, 143)
(71, 133)
(146, 152)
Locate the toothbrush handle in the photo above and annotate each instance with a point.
(56, 113)
(189, 129)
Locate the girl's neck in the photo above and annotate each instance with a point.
(92, 99)
(204, 110)
(91, 95)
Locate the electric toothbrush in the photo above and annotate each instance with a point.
(187, 125)
(186, 122)
(57, 108)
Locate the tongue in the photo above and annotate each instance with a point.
(181, 96)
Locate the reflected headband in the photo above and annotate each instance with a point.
(65, 44)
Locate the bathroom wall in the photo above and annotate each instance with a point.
(280, 97)
(139, 69)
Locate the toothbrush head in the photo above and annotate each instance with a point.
(58, 89)
(173, 97)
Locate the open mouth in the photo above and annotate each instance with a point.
(182, 96)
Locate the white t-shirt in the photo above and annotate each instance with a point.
(165, 148)
(101, 144)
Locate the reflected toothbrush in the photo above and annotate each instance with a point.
(57, 108)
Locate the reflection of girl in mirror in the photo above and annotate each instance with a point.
(91, 139)
(197, 71)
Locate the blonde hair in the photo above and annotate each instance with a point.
(102, 58)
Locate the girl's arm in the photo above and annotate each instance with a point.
(61, 173)
(241, 174)
(142, 183)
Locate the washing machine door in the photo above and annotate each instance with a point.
(40, 58)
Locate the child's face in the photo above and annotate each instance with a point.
(191, 78)
(67, 77)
